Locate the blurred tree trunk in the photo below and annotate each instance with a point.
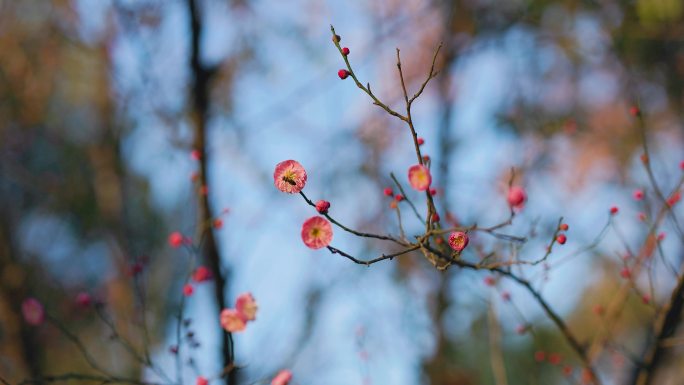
(201, 80)
(19, 351)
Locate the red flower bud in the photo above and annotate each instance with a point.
(84, 299)
(516, 197)
(322, 206)
(561, 239)
(638, 195)
(188, 290)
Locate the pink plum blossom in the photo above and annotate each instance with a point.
(289, 176)
(232, 320)
(419, 177)
(458, 240)
(247, 306)
(317, 232)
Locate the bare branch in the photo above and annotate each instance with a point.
(375, 260)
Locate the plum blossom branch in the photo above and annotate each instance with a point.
(665, 325)
(555, 318)
(646, 161)
(489, 230)
(375, 260)
(406, 198)
(423, 241)
(352, 231)
(414, 134)
(367, 88)
(616, 306)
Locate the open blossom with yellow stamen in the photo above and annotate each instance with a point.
(317, 232)
(419, 177)
(289, 176)
(458, 240)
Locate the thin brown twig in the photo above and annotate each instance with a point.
(375, 260)
(367, 88)
(401, 225)
(406, 198)
(597, 240)
(489, 230)
(414, 134)
(128, 346)
(641, 122)
(431, 75)
(352, 231)
(79, 345)
(616, 306)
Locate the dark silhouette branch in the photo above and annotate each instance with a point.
(664, 327)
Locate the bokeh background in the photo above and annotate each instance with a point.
(98, 118)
